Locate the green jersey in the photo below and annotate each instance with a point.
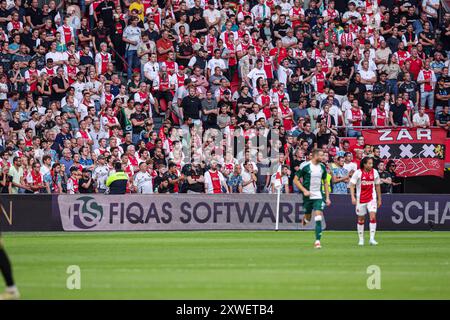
(314, 176)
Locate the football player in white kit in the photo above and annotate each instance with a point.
(368, 197)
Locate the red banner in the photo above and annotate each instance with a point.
(416, 151)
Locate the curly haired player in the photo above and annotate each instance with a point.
(367, 181)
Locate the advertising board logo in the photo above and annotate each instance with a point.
(85, 213)
(7, 214)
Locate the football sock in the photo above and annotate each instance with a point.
(318, 220)
(5, 268)
(372, 228)
(360, 228)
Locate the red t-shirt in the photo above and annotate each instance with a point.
(215, 179)
(367, 185)
(416, 65)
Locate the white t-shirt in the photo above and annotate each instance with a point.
(213, 63)
(351, 166)
(144, 182)
(100, 174)
(151, 69)
(249, 188)
(255, 74)
(56, 56)
(421, 121)
(428, 7)
(367, 75)
(3, 91)
(336, 113)
(211, 15)
(132, 34)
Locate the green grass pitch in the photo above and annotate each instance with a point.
(230, 265)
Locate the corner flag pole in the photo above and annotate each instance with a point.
(278, 183)
(277, 217)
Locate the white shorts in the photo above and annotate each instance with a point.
(363, 208)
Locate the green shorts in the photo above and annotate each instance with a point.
(311, 205)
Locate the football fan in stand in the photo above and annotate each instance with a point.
(367, 198)
(315, 189)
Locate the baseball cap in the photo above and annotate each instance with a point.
(227, 92)
(180, 67)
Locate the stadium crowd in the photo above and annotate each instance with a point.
(194, 96)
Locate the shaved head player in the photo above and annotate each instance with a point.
(316, 194)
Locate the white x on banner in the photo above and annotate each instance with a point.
(428, 150)
(406, 151)
(384, 151)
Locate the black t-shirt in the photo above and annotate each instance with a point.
(26, 39)
(139, 117)
(184, 50)
(198, 25)
(105, 11)
(428, 35)
(198, 186)
(367, 106)
(410, 88)
(411, 18)
(60, 84)
(385, 188)
(394, 19)
(191, 107)
(168, 175)
(282, 29)
(244, 100)
(376, 161)
(345, 64)
(100, 35)
(386, 25)
(443, 118)
(392, 43)
(323, 139)
(125, 145)
(443, 92)
(5, 60)
(4, 189)
(312, 15)
(308, 137)
(340, 89)
(317, 30)
(4, 14)
(35, 15)
(357, 88)
(295, 91)
(86, 59)
(90, 189)
(308, 64)
(397, 113)
(15, 125)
